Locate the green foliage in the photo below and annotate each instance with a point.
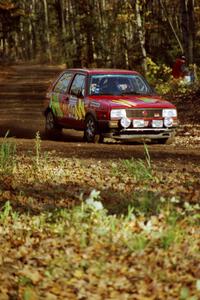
(176, 87)
(137, 242)
(137, 168)
(185, 294)
(160, 77)
(37, 148)
(7, 155)
(171, 236)
(157, 74)
(146, 203)
(7, 213)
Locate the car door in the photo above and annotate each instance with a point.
(76, 108)
(59, 101)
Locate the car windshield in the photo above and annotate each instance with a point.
(118, 84)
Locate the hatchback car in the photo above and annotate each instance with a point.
(108, 103)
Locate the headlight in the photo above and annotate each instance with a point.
(125, 122)
(168, 122)
(117, 113)
(169, 113)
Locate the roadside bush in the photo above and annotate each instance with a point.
(157, 74)
(160, 77)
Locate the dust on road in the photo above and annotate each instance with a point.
(22, 91)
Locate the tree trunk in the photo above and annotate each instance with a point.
(32, 29)
(188, 27)
(62, 22)
(47, 34)
(141, 34)
(171, 25)
(89, 29)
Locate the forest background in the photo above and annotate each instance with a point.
(97, 221)
(100, 33)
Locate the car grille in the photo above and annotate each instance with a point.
(144, 113)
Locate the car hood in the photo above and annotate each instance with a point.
(131, 101)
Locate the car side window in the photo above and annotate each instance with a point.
(62, 84)
(78, 85)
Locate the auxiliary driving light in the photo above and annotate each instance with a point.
(125, 122)
(168, 122)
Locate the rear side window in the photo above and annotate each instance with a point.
(78, 85)
(63, 83)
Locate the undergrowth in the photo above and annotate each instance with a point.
(83, 251)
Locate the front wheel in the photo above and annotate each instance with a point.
(51, 128)
(162, 141)
(90, 131)
(165, 141)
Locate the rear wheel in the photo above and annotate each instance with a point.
(51, 128)
(90, 131)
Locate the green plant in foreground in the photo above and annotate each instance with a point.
(170, 236)
(137, 242)
(7, 155)
(185, 294)
(145, 203)
(7, 212)
(138, 168)
(37, 148)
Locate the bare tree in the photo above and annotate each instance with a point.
(188, 27)
(47, 33)
(141, 32)
(163, 5)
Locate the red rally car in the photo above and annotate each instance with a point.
(108, 103)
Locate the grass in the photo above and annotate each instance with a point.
(137, 168)
(37, 149)
(7, 155)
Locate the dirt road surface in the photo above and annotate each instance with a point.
(22, 91)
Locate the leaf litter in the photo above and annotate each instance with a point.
(88, 229)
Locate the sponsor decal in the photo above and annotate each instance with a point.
(147, 100)
(124, 102)
(55, 106)
(95, 104)
(76, 109)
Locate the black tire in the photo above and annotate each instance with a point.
(101, 139)
(90, 130)
(164, 141)
(52, 130)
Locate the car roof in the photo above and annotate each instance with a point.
(102, 71)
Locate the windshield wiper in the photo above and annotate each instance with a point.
(130, 93)
(109, 94)
(136, 93)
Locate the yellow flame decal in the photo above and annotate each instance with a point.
(124, 102)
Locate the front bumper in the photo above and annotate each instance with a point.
(165, 133)
(109, 130)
